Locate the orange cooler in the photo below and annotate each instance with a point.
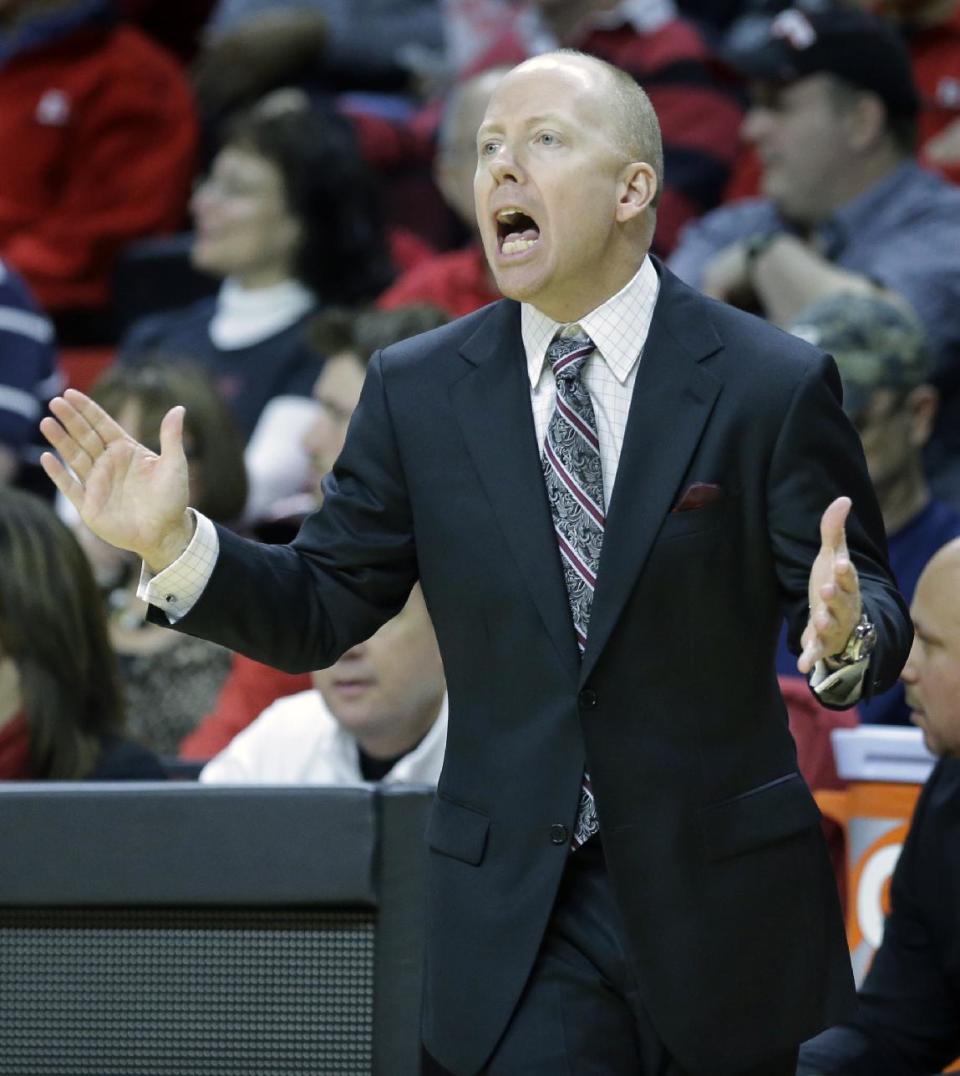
(885, 767)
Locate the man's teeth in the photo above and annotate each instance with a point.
(515, 246)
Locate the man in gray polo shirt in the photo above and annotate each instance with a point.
(846, 208)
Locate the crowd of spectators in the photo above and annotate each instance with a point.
(233, 206)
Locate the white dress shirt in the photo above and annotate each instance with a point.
(619, 330)
(296, 740)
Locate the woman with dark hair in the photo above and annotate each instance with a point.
(61, 708)
(169, 680)
(288, 219)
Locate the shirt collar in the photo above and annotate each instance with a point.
(246, 316)
(618, 326)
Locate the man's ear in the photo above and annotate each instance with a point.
(921, 405)
(867, 121)
(638, 188)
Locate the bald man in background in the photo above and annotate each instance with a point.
(908, 1018)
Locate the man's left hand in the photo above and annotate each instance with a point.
(833, 591)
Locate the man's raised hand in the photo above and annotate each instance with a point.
(126, 494)
(833, 591)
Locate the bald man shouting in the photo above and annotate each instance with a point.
(611, 491)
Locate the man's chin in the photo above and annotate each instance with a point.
(517, 284)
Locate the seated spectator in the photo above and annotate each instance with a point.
(288, 219)
(377, 714)
(61, 709)
(253, 46)
(28, 373)
(931, 30)
(908, 1017)
(350, 339)
(458, 281)
(98, 137)
(846, 208)
(169, 680)
(884, 363)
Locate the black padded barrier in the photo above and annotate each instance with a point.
(157, 930)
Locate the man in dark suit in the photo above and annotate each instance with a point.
(908, 1018)
(699, 450)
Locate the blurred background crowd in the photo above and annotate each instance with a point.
(233, 204)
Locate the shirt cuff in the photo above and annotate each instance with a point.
(176, 589)
(842, 687)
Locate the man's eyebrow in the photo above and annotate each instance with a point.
(530, 121)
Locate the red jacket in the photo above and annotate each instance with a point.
(456, 281)
(98, 137)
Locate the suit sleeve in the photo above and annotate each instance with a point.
(908, 1021)
(817, 458)
(349, 570)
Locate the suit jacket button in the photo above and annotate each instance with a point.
(588, 699)
(559, 834)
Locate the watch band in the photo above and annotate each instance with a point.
(757, 244)
(859, 645)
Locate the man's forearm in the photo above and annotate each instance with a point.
(789, 275)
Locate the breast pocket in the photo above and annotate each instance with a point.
(695, 521)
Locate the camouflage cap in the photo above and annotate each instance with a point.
(876, 345)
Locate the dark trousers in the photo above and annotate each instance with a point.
(580, 1013)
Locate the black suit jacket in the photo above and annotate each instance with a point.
(908, 1018)
(712, 838)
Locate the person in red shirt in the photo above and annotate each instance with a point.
(457, 281)
(98, 138)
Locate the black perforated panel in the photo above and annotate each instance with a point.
(177, 992)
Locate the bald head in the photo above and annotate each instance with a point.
(633, 124)
(932, 672)
(943, 569)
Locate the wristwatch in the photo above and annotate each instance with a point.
(860, 645)
(755, 245)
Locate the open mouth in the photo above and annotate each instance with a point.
(516, 231)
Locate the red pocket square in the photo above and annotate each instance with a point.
(697, 495)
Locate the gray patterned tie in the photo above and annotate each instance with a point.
(574, 480)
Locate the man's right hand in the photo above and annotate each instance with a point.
(126, 494)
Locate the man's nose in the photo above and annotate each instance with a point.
(354, 653)
(505, 167)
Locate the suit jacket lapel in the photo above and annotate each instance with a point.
(672, 400)
(492, 403)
